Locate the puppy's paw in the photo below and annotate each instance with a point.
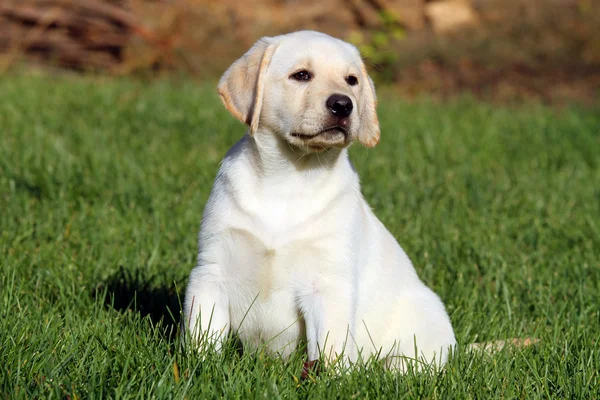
(310, 368)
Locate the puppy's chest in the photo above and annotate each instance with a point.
(262, 284)
(269, 265)
(274, 254)
(264, 278)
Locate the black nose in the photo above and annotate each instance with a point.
(339, 105)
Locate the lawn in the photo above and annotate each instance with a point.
(102, 186)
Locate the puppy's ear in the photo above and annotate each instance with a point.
(242, 86)
(369, 127)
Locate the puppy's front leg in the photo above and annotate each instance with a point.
(206, 308)
(327, 314)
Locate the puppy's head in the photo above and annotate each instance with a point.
(310, 88)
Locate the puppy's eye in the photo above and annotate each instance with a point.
(351, 80)
(302, 76)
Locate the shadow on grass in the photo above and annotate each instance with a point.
(153, 296)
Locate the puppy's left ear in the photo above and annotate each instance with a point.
(242, 86)
(369, 123)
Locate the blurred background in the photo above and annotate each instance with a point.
(494, 49)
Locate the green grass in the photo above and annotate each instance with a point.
(102, 186)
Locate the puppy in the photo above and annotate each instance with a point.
(289, 251)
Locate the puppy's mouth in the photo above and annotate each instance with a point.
(331, 133)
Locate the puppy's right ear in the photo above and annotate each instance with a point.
(242, 86)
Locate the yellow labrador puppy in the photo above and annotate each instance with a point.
(288, 249)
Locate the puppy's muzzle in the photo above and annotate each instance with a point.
(335, 133)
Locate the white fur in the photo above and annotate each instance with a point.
(288, 248)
